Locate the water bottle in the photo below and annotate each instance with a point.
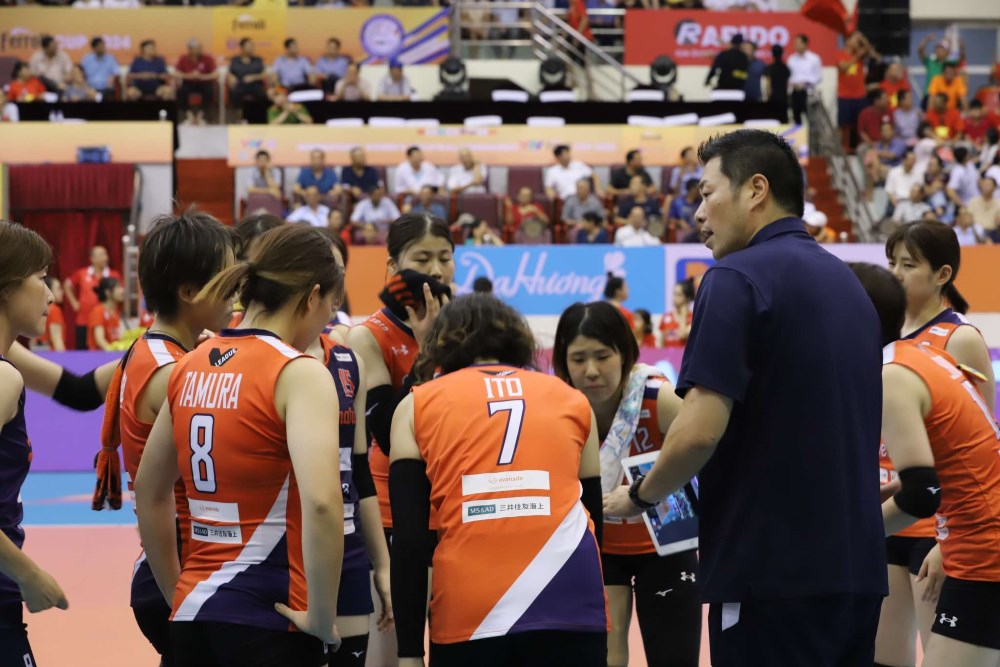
(163, 115)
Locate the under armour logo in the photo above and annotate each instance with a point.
(933, 489)
(357, 654)
(953, 621)
(663, 594)
(401, 350)
(687, 577)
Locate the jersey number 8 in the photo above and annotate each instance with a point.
(202, 465)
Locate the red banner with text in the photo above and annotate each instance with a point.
(695, 37)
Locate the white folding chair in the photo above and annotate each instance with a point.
(545, 121)
(483, 121)
(720, 119)
(557, 96)
(680, 119)
(645, 96)
(505, 95)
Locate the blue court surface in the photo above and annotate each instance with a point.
(63, 499)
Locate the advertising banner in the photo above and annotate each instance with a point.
(131, 142)
(695, 37)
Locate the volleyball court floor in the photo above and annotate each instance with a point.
(91, 555)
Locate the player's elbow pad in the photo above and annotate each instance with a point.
(921, 492)
(361, 473)
(78, 392)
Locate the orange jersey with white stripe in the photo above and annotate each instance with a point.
(246, 524)
(399, 351)
(516, 549)
(630, 536)
(965, 440)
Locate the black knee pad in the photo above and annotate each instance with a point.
(353, 652)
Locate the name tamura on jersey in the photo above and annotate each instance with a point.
(246, 527)
(516, 549)
(965, 441)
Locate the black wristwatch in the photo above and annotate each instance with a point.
(633, 494)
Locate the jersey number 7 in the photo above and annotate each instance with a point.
(512, 434)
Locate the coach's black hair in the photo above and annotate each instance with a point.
(935, 243)
(887, 295)
(185, 249)
(744, 153)
(475, 326)
(601, 321)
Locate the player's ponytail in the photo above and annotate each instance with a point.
(935, 243)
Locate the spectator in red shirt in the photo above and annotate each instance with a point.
(977, 121)
(82, 283)
(104, 324)
(851, 89)
(196, 71)
(524, 208)
(25, 86)
(55, 325)
(894, 81)
(872, 118)
(946, 123)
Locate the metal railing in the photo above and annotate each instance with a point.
(130, 251)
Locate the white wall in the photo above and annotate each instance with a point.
(955, 10)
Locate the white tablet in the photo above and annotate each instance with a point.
(673, 523)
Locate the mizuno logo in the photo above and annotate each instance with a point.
(218, 358)
(663, 594)
(357, 654)
(934, 489)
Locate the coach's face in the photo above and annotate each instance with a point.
(721, 213)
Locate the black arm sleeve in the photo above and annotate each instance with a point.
(78, 392)
(410, 497)
(361, 473)
(382, 402)
(593, 500)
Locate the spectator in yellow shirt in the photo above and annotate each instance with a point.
(950, 84)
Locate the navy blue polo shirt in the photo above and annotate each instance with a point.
(789, 500)
(325, 183)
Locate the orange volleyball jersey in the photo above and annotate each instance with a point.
(246, 524)
(630, 536)
(965, 440)
(399, 351)
(516, 549)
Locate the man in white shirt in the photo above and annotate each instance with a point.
(562, 177)
(900, 180)
(806, 73)
(963, 183)
(468, 175)
(394, 86)
(313, 212)
(414, 173)
(633, 234)
(377, 211)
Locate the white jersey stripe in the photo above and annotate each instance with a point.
(160, 352)
(888, 353)
(280, 346)
(259, 547)
(536, 576)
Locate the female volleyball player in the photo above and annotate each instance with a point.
(616, 293)
(945, 443)
(179, 256)
(364, 539)
(501, 453)
(675, 325)
(925, 257)
(634, 404)
(248, 426)
(24, 299)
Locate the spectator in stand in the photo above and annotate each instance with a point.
(976, 124)
(731, 67)
(82, 282)
(104, 323)
(637, 196)
(291, 70)
(317, 175)
(374, 214)
(351, 87)
(264, 179)
(582, 202)
(967, 231)
(394, 86)
(934, 63)
(806, 74)
(479, 233)
(913, 208)
(689, 168)
(358, 178)
(101, 68)
(900, 180)
(675, 325)
(147, 77)
(562, 177)
(990, 149)
(985, 207)
(468, 176)
(951, 85)
(591, 230)
(525, 208)
(427, 204)
(775, 83)
(816, 226)
(54, 337)
(312, 211)
(332, 65)
(621, 178)
(680, 217)
(935, 186)
(285, 112)
(643, 328)
(25, 86)
(993, 171)
(633, 234)
(755, 72)
(851, 89)
(336, 220)
(894, 83)
(414, 173)
(963, 182)
(247, 75)
(906, 118)
(946, 123)
(9, 112)
(887, 153)
(51, 65)
(872, 118)
(76, 89)
(989, 94)
(198, 77)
